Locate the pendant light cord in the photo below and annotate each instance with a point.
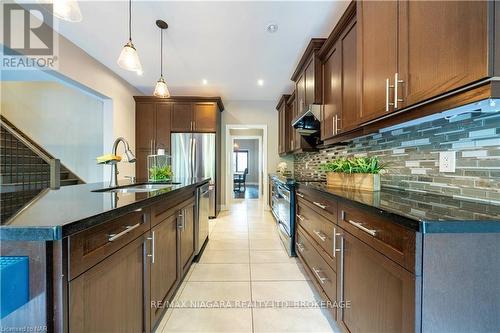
(161, 52)
(130, 20)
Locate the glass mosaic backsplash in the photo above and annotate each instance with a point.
(412, 155)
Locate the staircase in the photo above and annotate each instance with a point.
(26, 169)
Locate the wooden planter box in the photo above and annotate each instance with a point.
(355, 181)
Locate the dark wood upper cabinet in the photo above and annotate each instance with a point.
(290, 115)
(182, 117)
(121, 279)
(381, 293)
(350, 105)
(284, 132)
(164, 269)
(300, 94)
(307, 76)
(332, 92)
(443, 45)
(340, 111)
(205, 117)
(163, 125)
(377, 52)
(411, 52)
(145, 125)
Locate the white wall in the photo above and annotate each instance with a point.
(65, 121)
(78, 68)
(77, 65)
(252, 113)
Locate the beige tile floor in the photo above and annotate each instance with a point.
(245, 261)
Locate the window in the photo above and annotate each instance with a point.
(240, 160)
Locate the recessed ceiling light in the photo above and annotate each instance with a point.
(260, 82)
(272, 27)
(204, 81)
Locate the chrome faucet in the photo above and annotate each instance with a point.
(130, 158)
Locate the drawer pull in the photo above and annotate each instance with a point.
(319, 205)
(321, 279)
(152, 255)
(300, 246)
(335, 234)
(128, 229)
(300, 218)
(320, 235)
(300, 194)
(365, 229)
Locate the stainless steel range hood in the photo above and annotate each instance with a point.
(308, 123)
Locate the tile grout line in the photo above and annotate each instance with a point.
(250, 272)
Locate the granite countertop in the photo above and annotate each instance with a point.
(55, 214)
(422, 211)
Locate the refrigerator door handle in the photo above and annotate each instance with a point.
(191, 158)
(194, 158)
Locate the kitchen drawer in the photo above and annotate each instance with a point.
(91, 246)
(320, 271)
(323, 204)
(394, 241)
(319, 228)
(162, 210)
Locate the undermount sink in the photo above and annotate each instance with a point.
(134, 188)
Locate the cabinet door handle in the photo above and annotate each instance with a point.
(340, 313)
(317, 273)
(180, 217)
(361, 227)
(320, 235)
(335, 234)
(300, 246)
(319, 205)
(300, 194)
(334, 124)
(397, 81)
(129, 228)
(388, 86)
(300, 218)
(152, 255)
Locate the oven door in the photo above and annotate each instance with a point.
(283, 204)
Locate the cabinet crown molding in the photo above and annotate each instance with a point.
(313, 47)
(284, 98)
(215, 99)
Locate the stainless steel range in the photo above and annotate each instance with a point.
(283, 209)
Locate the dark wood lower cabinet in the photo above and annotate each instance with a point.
(164, 265)
(186, 236)
(124, 284)
(110, 296)
(380, 293)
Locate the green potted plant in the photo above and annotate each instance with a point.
(360, 173)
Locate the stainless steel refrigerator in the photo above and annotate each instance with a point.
(193, 156)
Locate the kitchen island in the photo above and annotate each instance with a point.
(401, 261)
(94, 260)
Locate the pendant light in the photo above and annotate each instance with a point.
(129, 59)
(67, 10)
(161, 89)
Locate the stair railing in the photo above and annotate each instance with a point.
(54, 163)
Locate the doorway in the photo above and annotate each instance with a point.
(246, 168)
(246, 162)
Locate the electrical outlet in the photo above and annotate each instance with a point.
(447, 161)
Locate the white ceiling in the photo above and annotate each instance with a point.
(225, 43)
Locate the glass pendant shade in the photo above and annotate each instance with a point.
(161, 89)
(67, 10)
(129, 59)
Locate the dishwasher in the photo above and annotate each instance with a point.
(202, 213)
